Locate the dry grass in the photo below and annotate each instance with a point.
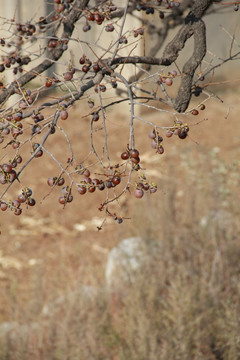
(183, 305)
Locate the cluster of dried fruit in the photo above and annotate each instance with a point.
(24, 198)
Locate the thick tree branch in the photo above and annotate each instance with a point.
(141, 60)
(185, 90)
(193, 26)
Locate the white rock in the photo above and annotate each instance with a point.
(126, 260)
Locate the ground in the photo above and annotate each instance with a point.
(49, 249)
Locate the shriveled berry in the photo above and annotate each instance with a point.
(51, 181)
(3, 179)
(82, 190)
(62, 200)
(14, 163)
(134, 153)
(88, 62)
(186, 128)
(3, 206)
(16, 145)
(12, 175)
(152, 134)
(169, 133)
(108, 184)
(17, 116)
(17, 211)
(153, 189)
(173, 73)
(90, 17)
(85, 68)
(60, 181)
(109, 28)
(22, 104)
(177, 131)
(145, 187)
(91, 189)
(125, 155)
(161, 14)
(168, 82)
(39, 154)
(90, 103)
(31, 202)
(30, 100)
(36, 129)
(7, 168)
(97, 17)
(86, 173)
(135, 160)
(101, 186)
(195, 112)
(160, 150)
(102, 87)
(16, 203)
(96, 181)
(183, 134)
(6, 131)
(138, 193)
(48, 83)
(116, 179)
(82, 60)
(68, 75)
(86, 27)
(22, 198)
(64, 115)
(123, 40)
(96, 67)
(87, 180)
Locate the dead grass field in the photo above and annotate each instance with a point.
(184, 305)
